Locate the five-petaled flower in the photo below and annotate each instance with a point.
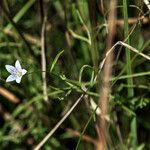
(16, 72)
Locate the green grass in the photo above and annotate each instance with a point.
(130, 91)
(80, 30)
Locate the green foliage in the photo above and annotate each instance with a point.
(55, 60)
(70, 73)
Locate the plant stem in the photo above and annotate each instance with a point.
(128, 55)
(129, 72)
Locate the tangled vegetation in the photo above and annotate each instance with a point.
(82, 74)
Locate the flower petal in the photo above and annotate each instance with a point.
(10, 69)
(24, 71)
(18, 79)
(17, 65)
(11, 78)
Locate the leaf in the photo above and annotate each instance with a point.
(79, 37)
(55, 60)
(81, 73)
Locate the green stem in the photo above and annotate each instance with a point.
(129, 72)
(21, 13)
(128, 57)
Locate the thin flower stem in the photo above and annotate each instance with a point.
(43, 55)
(59, 123)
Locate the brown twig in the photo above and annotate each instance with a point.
(59, 123)
(107, 73)
(10, 96)
(143, 19)
(101, 7)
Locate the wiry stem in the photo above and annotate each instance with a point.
(107, 73)
(43, 51)
(59, 123)
(113, 47)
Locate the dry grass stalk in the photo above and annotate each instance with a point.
(9, 96)
(107, 72)
(147, 3)
(52, 131)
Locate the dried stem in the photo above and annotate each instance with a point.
(113, 47)
(9, 96)
(147, 3)
(59, 123)
(107, 73)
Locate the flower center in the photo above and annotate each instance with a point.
(19, 73)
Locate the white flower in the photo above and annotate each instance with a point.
(16, 72)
